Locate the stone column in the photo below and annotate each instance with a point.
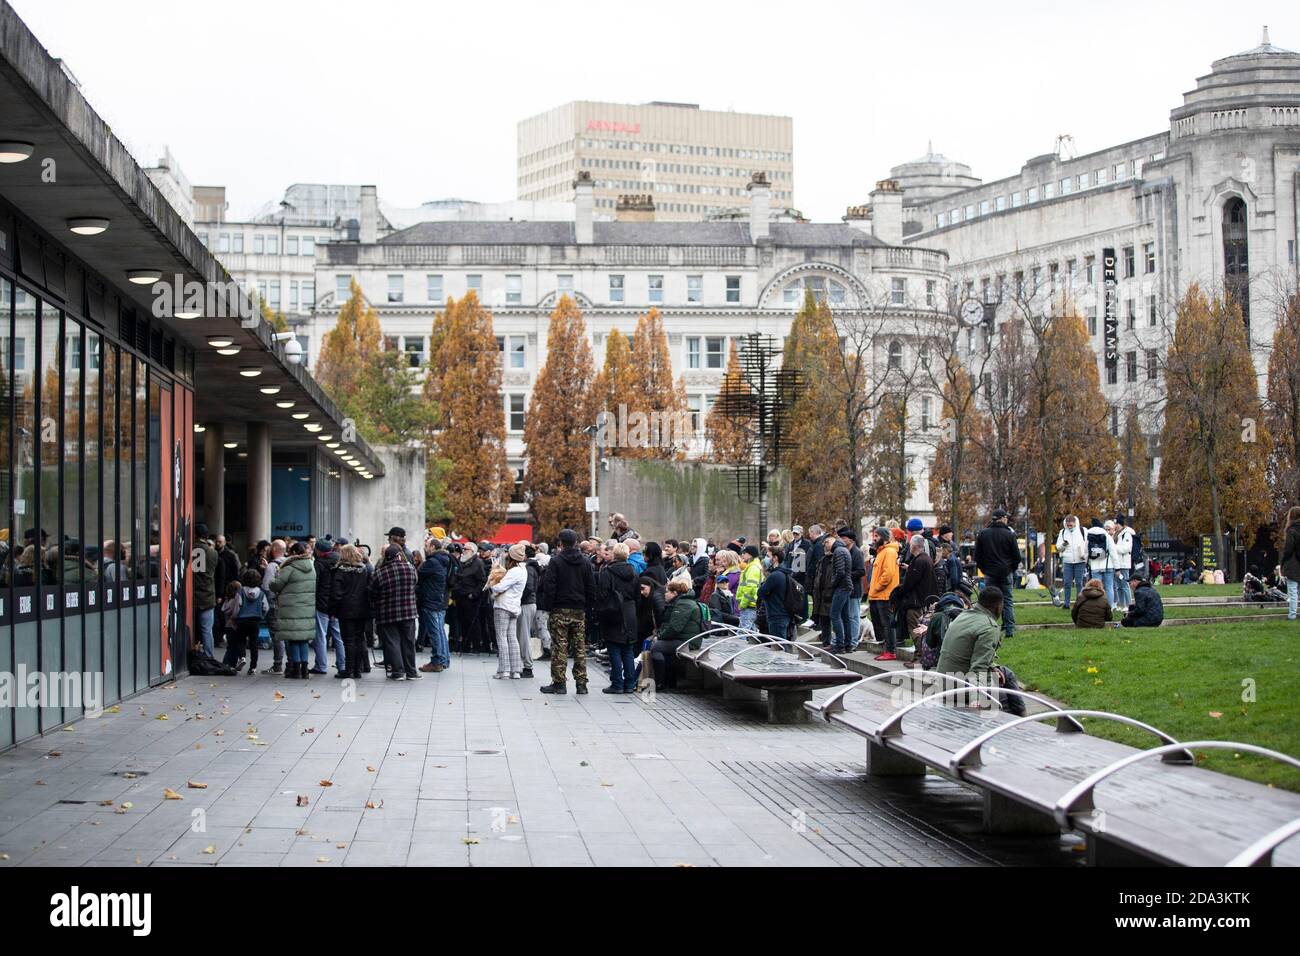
(214, 478)
(259, 481)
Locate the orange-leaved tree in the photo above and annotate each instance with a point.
(556, 442)
(348, 347)
(664, 429)
(730, 433)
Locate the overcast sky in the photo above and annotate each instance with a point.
(422, 99)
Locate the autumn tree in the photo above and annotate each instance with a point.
(654, 396)
(887, 472)
(730, 435)
(1215, 442)
(348, 347)
(964, 429)
(1282, 410)
(274, 317)
(820, 470)
(612, 386)
(555, 438)
(464, 382)
(1135, 467)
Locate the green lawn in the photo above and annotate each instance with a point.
(1166, 590)
(1058, 615)
(1178, 679)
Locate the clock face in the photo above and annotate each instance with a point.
(972, 313)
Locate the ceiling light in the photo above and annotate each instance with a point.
(284, 404)
(221, 341)
(186, 314)
(332, 445)
(324, 437)
(88, 226)
(270, 389)
(232, 350)
(312, 427)
(230, 444)
(301, 415)
(243, 454)
(143, 276)
(12, 151)
(250, 371)
(199, 429)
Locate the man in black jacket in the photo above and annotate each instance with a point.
(467, 592)
(918, 585)
(327, 627)
(227, 566)
(568, 590)
(431, 582)
(998, 555)
(857, 571)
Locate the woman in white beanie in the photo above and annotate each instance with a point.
(507, 586)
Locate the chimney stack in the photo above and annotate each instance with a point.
(859, 217)
(584, 207)
(639, 207)
(369, 215)
(760, 207)
(887, 212)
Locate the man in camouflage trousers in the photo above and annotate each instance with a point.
(568, 588)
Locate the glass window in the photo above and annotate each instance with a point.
(838, 294)
(615, 288)
(656, 289)
(434, 288)
(514, 289)
(308, 294)
(91, 538)
(1049, 190)
(308, 246)
(1092, 320)
(931, 289)
(790, 294)
(693, 405)
(713, 351)
(1149, 256)
(342, 289)
(518, 344)
(139, 518)
(223, 242)
(272, 245)
(26, 433)
(474, 283)
(1090, 270)
(692, 351)
(895, 354)
(273, 298)
(237, 242)
(1151, 311)
(1033, 194)
(564, 284)
(50, 440)
(897, 291)
(1153, 365)
(396, 288)
(1131, 366)
(259, 245)
(516, 419)
(1015, 200)
(1000, 203)
(984, 207)
(291, 245)
(694, 288)
(733, 288)
(1130, 268)
(414, 347)
(73, 446)
(1131, 313)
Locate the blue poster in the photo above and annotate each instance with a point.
(290, 501)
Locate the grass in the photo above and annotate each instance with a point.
(1058, 615)
(1179, 679)
(1166, 591)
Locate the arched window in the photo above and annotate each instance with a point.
(896, 354)
(1236, 261)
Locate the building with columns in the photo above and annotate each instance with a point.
(1214, 198)
(711, 281)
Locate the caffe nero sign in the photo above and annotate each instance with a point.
(1111, 313)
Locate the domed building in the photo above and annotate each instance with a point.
(928, 178)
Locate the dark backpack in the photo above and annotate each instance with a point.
(205, 665)
(250, 609)
(1139, 556)
(1097, 545)
(795, 600)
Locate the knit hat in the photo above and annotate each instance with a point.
(518, 553)
(915, 524)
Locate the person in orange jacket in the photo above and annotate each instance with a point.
(884, 578)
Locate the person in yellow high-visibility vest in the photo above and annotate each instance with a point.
(751, 576)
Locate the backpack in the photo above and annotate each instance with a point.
(795, 599)
(203, 664)
(1097, 545)
(250, 608)
(706, 615)
(1139, 559)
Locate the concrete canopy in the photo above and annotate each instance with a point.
(95, 176)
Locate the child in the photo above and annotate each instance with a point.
(229, 608)
(252, 610)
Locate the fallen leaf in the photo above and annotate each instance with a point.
(55, 753)
(68, 729)
(40, 783)
(219, 733)
(309, 730)
(4, 856)
(340, 846)
(327, 783)
(684, 866)
(370, 769)
(604, 784)
(469, 841)
(170, 794)
(322, 859)
(96, 823)
(162, 717)
(128, 805)
(115, 709)
(209, 850)
(128, 775)
(1216, 714)
(277, 696)
(195, 785)
(105, 803)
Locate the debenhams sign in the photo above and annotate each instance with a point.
(1111, 286)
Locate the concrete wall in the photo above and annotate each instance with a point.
(692, 499)
(370, 508)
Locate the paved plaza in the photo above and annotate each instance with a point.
(459, 769)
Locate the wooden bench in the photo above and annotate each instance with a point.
(1137, 807)
(755, 667)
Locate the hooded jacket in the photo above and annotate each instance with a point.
(1124, 548)
(507, 593)
(294, 587)
(467, 586)
(1108, 561)
(1091, 609)
(569, 583)
(996, 551)
(683, 618)
(918, 584)
(619, 626)
(431, 581)
(1070, 542)
(324, 571)
(884, 571)
(349, 592)
(1148, 610)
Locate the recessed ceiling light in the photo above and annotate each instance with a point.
(324, 437)
(231, 444)
(243, 454)
(270, 389)
(221, 341)
(232, 350)
(12, 151)
(88, 225)
(285, 404)
(186, 314)
(143, 276)
(250, 371)
(301, 415)
(332, 445)
(312, 427)
(199, 428)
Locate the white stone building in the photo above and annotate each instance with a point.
(711, 281)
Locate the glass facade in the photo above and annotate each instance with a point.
(95, 458)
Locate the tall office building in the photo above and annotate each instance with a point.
(694, 163)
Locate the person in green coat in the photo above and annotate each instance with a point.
(683, 619)
(295, 608)
(971, 642)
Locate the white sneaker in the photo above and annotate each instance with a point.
(500, 676)
(514, 677)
